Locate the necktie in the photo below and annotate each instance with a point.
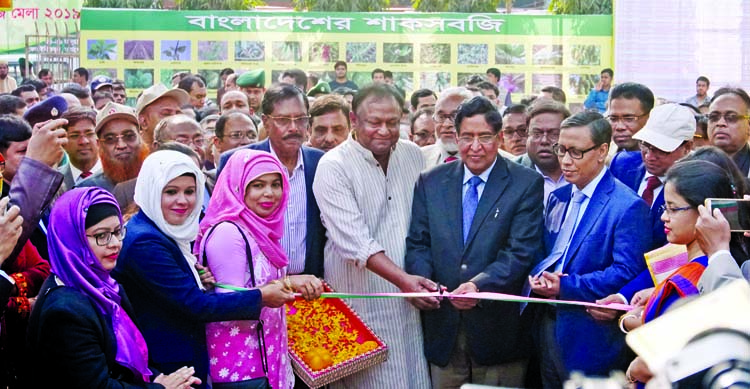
(471, 199)
(85, 175)
(450, 158)
(652, 183)
(557, 255)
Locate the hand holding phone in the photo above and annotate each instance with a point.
(735, 211)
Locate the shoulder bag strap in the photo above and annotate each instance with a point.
(249, 255)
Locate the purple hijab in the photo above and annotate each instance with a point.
(75, 265)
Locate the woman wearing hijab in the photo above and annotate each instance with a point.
(246, 212)
(81, 332)
(158, 268)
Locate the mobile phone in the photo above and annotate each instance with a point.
(736, 211)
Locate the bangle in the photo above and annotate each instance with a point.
(288, 284)
(621, 322)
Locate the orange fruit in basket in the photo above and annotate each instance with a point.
(369, 345)
(318, 359)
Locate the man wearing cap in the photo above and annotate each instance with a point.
(101, 84)
(155, 104)
(121, 147)
(7, 83)
(666, 137)
(82, 147)
(320, 89)
(253, 83)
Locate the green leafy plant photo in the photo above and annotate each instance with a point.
(102, 49)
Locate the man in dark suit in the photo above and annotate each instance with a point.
(285, 118)
(82, 147)
(729, 125)
(666, 137)
(595, 244)
(499, 204)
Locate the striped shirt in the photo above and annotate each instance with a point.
(365, 212)
(295, 217)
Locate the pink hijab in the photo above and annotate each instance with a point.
(228, 203)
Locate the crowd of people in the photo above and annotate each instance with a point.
(157, 245)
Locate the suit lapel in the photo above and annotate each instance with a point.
(68, 181)
(595, 207)
(493, 188)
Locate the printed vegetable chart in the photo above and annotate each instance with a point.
(433, 51)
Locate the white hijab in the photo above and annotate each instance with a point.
(157, 171)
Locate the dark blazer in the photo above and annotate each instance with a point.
(72, 345)
(504, 239)
(628, 167)
(68, 181)
(316, 233)
(169, 305)
(605, 253)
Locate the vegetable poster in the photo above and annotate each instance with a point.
(423, 50)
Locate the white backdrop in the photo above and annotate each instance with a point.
(667, 44)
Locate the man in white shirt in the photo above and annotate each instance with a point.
(364, 188)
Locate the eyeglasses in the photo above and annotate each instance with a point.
(671, 211)
(560, 151)
(104, 238)
(650, 149)
(242, 135)
(440, 118)
(195, 141)
(87, 134)
(627, 119)
(729, 117)
(483, 139)
(552, 135)
(286, 121)
(111, 139)
(521, 132)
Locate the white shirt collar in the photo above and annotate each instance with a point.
(76, 173)
(589, 189)
(485, 175)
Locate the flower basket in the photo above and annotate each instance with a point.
(329, 341)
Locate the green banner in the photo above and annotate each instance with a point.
(364, 23)
(36, 17)
(422, 50)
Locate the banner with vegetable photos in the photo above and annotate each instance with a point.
(36, 17)
(423, 50)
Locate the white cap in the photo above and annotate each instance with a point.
(667, 127)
